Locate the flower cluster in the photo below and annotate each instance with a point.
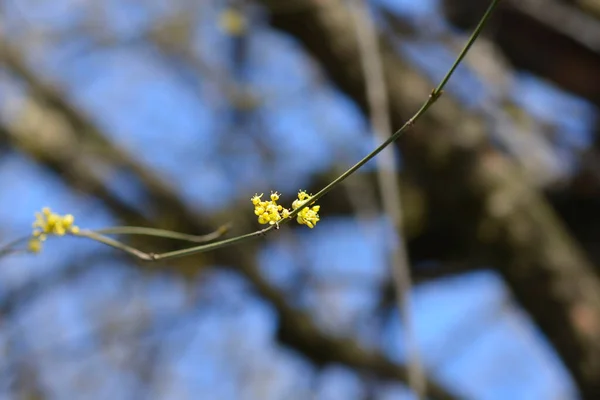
(49, 223)
(308, 216)
(269, 212)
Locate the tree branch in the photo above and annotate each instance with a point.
(296, 328)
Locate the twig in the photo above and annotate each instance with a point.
(10, 247)
(138, 230)
(433, 97)
(94, 235)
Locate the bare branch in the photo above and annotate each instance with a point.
(296, 328)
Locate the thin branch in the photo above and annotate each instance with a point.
(138, 230)
(11, 247)
(93, 235)
(297, 330)
(114, 244)
(99, 236)
(433, 97)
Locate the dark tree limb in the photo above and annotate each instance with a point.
(553, 39)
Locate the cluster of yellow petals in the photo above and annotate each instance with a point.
(269, 212)
(308, 216)
(49, 223)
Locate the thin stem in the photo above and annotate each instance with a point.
(9, 248)
(113, 243)
(94, 235)
(465, 50)
(211, 246)
(138, 230)
(435, 94)
(433, 97)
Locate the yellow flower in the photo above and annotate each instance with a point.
(256, 199)
(34, 245)
(308, 216)
(49, 223)
(232, 22)
(269, 212)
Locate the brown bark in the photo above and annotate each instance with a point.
(552, 39)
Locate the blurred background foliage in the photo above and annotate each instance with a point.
(173, 113)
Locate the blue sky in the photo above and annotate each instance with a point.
(216, 337)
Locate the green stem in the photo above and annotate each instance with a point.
(433, 97)
(138, 230)
(465, 49)
(113, 243)
(94, 235)
(211, 246)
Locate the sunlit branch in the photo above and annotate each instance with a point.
(433, 97)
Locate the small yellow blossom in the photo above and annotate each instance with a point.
(34, 245)
(256, 199)
(48, 223)
(269, 212)
(232, 22)
(308, 216)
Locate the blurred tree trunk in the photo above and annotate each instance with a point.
(552, 39)
(558, 41)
